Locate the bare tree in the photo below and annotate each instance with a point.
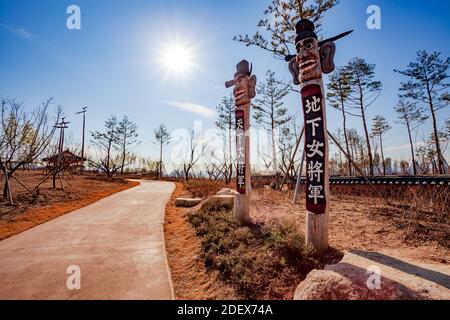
(428, 84)
(270, 111)
(195, 149)
(278, 24)
(379, 127)
(364, 92)
(127, 138)
(286, 145)
(163, 138)
(411, 116)
(24, 136)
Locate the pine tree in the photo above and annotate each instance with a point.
(411, 116)
(270, 111)
(379, 127)
(278, 24)
(127, 134)
(162, 137)
(225, 121)
(428, 84)
(365, 91)
(339, 90)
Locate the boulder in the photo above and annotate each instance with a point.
(187, 202)
(354, 278)
(218, 202)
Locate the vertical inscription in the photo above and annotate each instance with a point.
(315, 146)
(240, 151)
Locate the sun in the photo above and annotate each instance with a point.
(177, 59)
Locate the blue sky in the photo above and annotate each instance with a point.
(111, 64)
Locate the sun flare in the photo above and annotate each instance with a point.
(177, 59)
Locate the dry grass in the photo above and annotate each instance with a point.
(364, 223)
(423, 216)
(190, 278)
(31, 211)
(263, 261)
(203, 188)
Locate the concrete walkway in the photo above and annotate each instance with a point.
(116, 242)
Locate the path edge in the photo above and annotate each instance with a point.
(169, 272)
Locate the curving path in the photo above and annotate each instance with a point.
(116, 242)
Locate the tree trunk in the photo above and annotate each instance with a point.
(412, 148)
(346, 138)
(124, 152)
(366, 131)
(382, 155)
(230, 173)
(274, 157)
(108, 157)
(7, 187)
(436, 136)
(160, 162)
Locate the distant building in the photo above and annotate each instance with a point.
(68, 159)
(388, 163)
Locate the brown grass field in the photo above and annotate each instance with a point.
(29, 211)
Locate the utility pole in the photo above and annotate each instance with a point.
(83, 111)
(60, 165)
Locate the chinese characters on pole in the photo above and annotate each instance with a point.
(316, 149)
(240, 152)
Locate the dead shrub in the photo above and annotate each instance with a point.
(203, 188)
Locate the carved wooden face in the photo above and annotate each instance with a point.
(308, 59)
(244, 89)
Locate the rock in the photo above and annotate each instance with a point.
(353, 279)
(187, 202)
(218, 202)
(226, 191)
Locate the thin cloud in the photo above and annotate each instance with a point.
(404, 146)
(18, 31)
(192, 107)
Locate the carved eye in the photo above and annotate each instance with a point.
(309, 46)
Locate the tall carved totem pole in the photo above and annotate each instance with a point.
(244, 90)
(314, 58)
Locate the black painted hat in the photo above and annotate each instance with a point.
(305, 29)
(243, 67)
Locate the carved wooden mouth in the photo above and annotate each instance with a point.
(307, 65)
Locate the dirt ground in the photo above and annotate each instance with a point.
(48, 203)
(355, 223)
(190, 278)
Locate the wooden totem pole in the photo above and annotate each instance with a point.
(244, 90)
(314, 58)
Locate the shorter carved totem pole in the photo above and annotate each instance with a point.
(314, 58)
(244, 90)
